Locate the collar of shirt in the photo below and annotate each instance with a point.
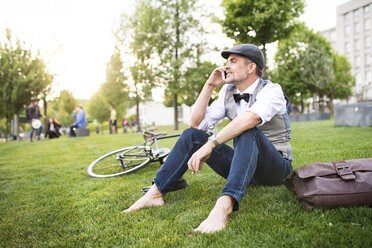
(243, 105)
(251, 88)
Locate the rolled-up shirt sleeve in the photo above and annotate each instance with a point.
(269, 102)
(215, 112)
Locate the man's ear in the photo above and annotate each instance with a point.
(251, 67)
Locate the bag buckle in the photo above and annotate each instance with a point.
(344, 170)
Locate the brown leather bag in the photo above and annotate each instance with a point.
(336, 184)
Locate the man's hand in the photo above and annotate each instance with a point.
(215, 79)
(197, 160)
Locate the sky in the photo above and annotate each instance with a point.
(75, 37)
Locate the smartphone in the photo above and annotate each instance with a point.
(224, 74)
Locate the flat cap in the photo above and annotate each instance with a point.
(249, 51)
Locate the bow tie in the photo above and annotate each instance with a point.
(238, 97)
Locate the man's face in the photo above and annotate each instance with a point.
(237, 69)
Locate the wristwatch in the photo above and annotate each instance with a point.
(214, 140)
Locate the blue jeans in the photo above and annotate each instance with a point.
(38, 132)
(254, 159)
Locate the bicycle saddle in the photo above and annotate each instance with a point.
(147, 135)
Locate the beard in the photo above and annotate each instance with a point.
(236, 78)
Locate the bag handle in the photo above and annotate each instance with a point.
(344, 170)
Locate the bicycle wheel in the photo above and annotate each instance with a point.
(120, 162)
(160, 154)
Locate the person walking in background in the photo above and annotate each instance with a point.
(125, 124)
(33, 115)
(80, 121)
(134, 126)
(53, 129)
(112, 121)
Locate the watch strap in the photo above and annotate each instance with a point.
(214, 140)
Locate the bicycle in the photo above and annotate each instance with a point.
(130, 159)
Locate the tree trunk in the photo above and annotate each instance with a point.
(302, 105)
(6, 129)
(16, 126)
(321, 103)
(175, 106)
(176, 73)
(264, 76)
(45, 114)
(137, 109)
(331, 107)
(314, 103)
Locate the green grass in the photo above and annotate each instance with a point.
(47, 200)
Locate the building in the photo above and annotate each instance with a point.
(330, 35)
(155, 113)
(352, 37)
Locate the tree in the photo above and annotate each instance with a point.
(164, 33)
(164, 41)
(306, 65)
(287, 70)
(143, 37)
(194, 75)
(46, 79)
(179, 37)
(191, 86)
(179, 24)
(341, 87)
(66, 103)
(317, 70)
(22, 78)
(115, 90)
(260, 22)
(142, 79)
(98, 108)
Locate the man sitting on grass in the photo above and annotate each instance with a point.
(80, 122)
(260, 128)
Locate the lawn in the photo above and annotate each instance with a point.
(47, 200)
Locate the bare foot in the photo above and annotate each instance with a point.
(218, 217)
(152, 198)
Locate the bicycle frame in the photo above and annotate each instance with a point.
(155, 139)
(147, 148)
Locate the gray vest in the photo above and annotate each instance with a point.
(277, 130)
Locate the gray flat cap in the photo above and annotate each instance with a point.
(249, 51)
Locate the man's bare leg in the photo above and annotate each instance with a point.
(219, 215)
(152, 198)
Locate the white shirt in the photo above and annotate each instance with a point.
(269, 102)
